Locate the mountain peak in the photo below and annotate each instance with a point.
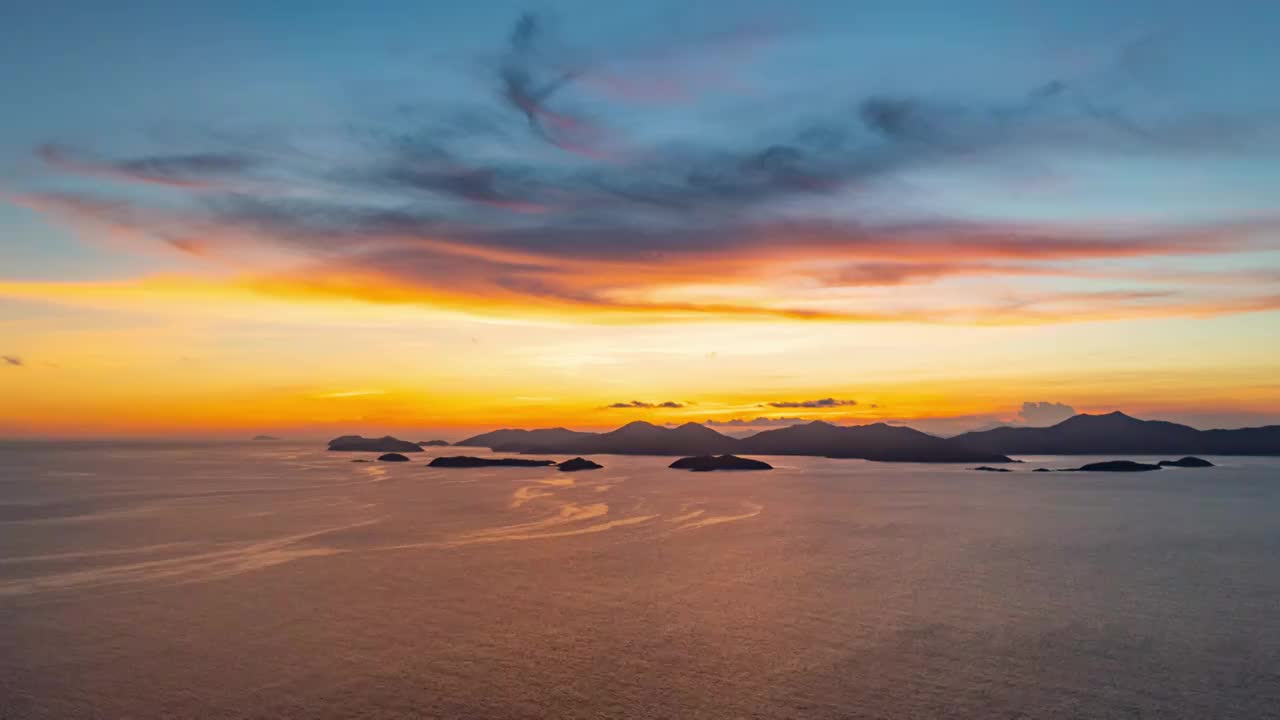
(693, 429)
(1116, 433)
(1111, 417)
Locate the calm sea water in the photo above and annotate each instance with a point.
(274, 580)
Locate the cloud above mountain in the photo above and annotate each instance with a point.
(759, 422)
(641, 405)
(1044, 413)
(819, 403)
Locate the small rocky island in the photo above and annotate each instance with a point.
(433, 443)
(392, 457)
(707, 463)
(577, 464)
(1187, 462)
(466, 461)
(357, 443)
(1115, 466)
(261, 438)
(988, 468)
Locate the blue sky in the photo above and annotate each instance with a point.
(145, 74)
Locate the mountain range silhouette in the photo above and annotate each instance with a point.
(870, 442)
(1117, 433)
(1109, 434)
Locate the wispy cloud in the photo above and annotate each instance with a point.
(529, 83)
(819, 403)
(194, 171)
(347, 394)
(640, 405)
(536, 69)
(759, 422)
(12, 360)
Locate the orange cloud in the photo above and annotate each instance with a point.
(319, 287)
(780, 270)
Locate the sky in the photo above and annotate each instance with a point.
(316, 217)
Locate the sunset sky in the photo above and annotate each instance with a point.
(308, 218)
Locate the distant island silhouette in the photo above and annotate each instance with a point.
(1119, 434)
(1115, 466)
(1120, 466)
(707, 463)
(877, 441)
(466, 461)
(516, 440)
(1186, 462)
(432, 443)
(386, 444)
(1110, 434)
(265, 437)
(579, 464)
(869, 442)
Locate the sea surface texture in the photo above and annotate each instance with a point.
(276, 580)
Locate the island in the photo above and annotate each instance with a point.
(1115, 466)
(1114, 434)
(877, 441)
(357, 443)
(577, 464)
(986, 468)
(1187, 462)
(392, 457)
(1119, 434)
(265, 437)
(707, 463)
(518, 440)
(466, 461)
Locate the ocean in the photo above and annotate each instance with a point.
(278, 580)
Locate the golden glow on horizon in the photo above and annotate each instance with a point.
(317, 372)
